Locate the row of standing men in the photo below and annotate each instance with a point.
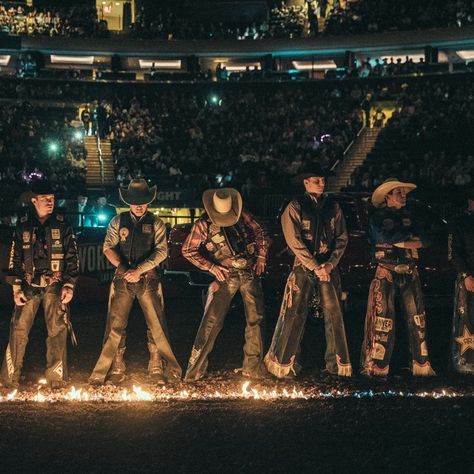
(228, 242)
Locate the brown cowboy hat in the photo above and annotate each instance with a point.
(378, 196)
(223, 206)
(138, 193)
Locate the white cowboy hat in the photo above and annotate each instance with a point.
(378, 196)
(223, 206)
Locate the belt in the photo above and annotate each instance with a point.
(402, 268)
(239, 263)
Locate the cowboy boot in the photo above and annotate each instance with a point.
(117, 371)
(155, 366)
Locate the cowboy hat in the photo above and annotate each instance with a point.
(138, 193)
(310, 171)
(378, 196)
(38, 188)
(223, 206)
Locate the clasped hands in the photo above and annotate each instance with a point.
(323, 272)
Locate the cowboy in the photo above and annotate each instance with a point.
(315, 231)
(43, 268)
(462, 256)
(236, 251)
(136, 245)
(395, 235)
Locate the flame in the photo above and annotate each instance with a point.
(223, 391)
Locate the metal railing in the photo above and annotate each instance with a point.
(101, 160)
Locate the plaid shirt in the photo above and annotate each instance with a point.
(198, 236)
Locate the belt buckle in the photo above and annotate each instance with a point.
(402, 268)
(239, 263)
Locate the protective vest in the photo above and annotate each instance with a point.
(236, 243)
(317, 221)
(137, 238)
(54, 233)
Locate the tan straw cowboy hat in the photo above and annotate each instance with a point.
(138, 193)
(223, 206)
(378, 196)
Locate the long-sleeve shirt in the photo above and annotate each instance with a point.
(292, 226)
(462, 244)
(112, 240)
(199, 235)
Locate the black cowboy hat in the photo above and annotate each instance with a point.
(314, 170)
(38, 188)
(138, 193)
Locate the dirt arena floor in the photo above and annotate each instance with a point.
(217, 425)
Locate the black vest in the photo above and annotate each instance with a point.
(236, 242)
(317, 224)
(137, 238)
(51, 260)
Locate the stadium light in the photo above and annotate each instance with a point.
(53, 147)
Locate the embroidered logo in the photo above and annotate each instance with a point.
(146, 229)
(420, 320)
(306, 224)
(378, 352)
(123, 232)
(55, 234)
(466, 340)
(58, 369)
(406, 221)
(383, 324)
(9, 361)
(26, 237)
(54, 266)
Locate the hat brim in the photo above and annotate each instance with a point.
(223, 219)
(378, 196)
(134, 199)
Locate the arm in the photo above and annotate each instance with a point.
(291, 225)
(71, 265)
(341, 237)
(191, 245)
(262, 241)
(458, 255)
(161, 248)
(111, 241)
(15, 270)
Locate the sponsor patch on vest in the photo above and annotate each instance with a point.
(406, 221)
(26, 237)
(218, 238)
(209, 246)
(383, 324)
(306, 224)
(55, 234)
(420, 320)
(214, 228)
(251, 249)
(378, 352)
(123, 232)
(381, 337)
(54, 265)
(146, 229)
(57, 256)
(379, 254)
